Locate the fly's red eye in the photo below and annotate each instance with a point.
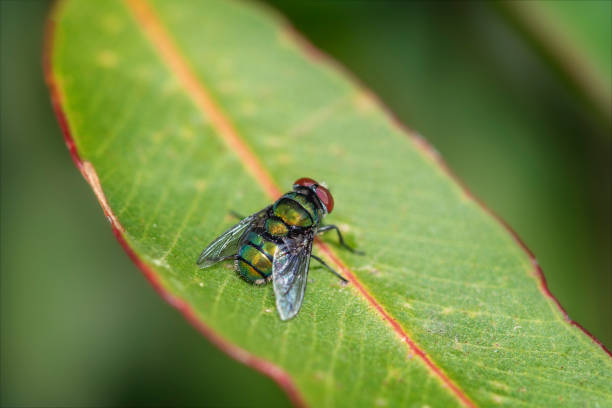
(304, 182)
(325, 197)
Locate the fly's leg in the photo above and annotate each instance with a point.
(330, 227)
(322, 262)
(236, 215)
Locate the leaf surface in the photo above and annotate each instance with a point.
(576, 36)
(177, 113)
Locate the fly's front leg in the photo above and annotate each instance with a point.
(322, 262)
(326, 228)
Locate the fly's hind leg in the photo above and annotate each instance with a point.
(322, 262)
(330, 227)
(236, 215)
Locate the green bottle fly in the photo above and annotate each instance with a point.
(276, 243)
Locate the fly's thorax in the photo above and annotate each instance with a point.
(254, 261)
(297, 209)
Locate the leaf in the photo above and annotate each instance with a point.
(177, 113)
(577, 38)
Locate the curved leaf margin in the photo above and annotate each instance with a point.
(88, 172)
(282, 378)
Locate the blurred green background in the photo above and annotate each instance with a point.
(499, 96)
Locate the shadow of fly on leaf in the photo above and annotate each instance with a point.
(276, 243)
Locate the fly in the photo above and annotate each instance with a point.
(276, 244)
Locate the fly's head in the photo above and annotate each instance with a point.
(324, 197)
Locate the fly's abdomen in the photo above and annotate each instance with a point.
(276, 227)
(296, 210)
(254, 262)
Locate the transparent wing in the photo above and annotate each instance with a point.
(228, 243)
(290, 273)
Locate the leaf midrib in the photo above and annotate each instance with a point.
(170, 55)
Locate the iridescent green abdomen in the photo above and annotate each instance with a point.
(276, 227)
(254, 262)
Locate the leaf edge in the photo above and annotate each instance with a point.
(277, 374)
(429, 151)
(269, 369)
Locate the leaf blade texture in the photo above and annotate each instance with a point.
(177, 113)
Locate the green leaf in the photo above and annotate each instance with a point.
(177, 113)
(576, 36)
